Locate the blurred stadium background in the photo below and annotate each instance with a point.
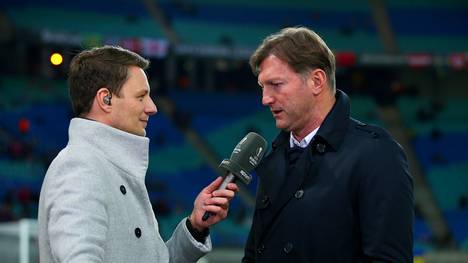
(404, 64)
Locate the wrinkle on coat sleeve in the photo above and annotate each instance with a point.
(184, 248)
(386, 203)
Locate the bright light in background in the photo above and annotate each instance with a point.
(56, 59)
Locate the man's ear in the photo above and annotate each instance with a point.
(317, 79)
(103, 99)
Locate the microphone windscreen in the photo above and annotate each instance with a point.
(246, 156)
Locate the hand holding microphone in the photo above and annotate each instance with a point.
(244, 158)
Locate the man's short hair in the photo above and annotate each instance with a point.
(99, 67)
(301, 48)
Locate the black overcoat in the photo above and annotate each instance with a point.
(349, 197)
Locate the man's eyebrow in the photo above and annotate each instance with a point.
(271, 81)
(143, 91)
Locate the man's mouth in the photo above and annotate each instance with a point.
(276, 112)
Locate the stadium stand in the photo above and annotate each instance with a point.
(34, 110)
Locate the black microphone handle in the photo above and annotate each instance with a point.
(229, 178)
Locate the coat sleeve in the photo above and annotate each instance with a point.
(183, 247)
(76, 212)
(386, 204)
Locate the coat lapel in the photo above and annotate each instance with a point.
(277, 187)
(270, 186)
(288, 186)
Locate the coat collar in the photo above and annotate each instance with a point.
(335, 125)
(127, 151)
(333, 128)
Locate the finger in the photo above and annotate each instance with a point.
(214, 185)
(220, 201)
(224, 193)
(214, 209)
(233, 187)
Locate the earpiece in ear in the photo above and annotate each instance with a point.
(107, 99)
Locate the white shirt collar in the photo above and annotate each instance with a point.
(304, 142)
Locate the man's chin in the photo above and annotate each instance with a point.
(282, 126)
(141, 133)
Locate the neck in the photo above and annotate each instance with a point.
(96, 115)
(323, 104)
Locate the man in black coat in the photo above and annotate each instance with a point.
(332, 189)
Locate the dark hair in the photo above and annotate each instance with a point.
(96, 68)
(301, 48)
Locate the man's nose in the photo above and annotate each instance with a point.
(267, 99)
(151, 108)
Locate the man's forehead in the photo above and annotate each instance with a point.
(271, 60)
(270, 67)
(136, 83)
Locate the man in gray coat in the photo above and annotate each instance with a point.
(94, 206)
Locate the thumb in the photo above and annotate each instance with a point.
(213, 186)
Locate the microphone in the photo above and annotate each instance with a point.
(244, 158)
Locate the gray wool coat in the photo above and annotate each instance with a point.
(94, 206)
